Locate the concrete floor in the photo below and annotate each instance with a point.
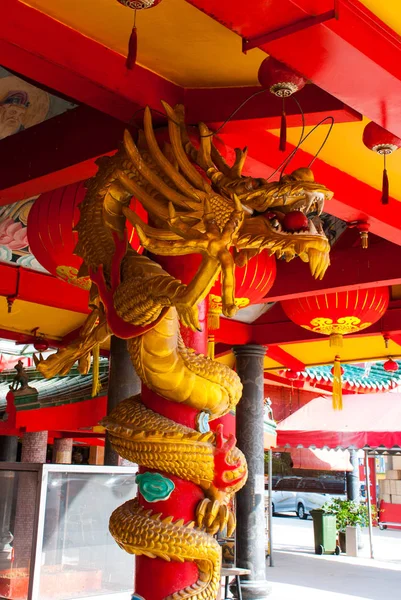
(299, 574)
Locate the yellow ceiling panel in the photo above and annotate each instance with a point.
(387, 11)
(227, 358)
(354, 349)
(53, 322)
(175, 39)
(320, 352)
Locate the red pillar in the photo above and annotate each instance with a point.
(372, 479)
(155, 578)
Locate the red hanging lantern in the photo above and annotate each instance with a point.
(41, 346)
(282, 82)
(252, 283)
(291, 375)
(332, 371)
(383, 142)
(51, 238)
(337, 314)
(133, 40)
(390, 366)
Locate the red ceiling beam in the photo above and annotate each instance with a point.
(32, 187)
(278, 34)
(282, 381)
(61, 148)
(354, 57)
(238, 333)
(66, 417)
(281, 331)
(396, 338)
(40, 288)
(285, 332)
(215, 105)
(284, 358)
(355, 268)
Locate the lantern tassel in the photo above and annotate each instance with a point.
(283, 130)
(96, 385)
(213, 320)
(337, 385)
(132, 47)
(210, 346)
(336, 340)
(385, 185)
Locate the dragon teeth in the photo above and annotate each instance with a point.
(312, 229)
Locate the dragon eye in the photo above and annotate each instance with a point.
(254, 183)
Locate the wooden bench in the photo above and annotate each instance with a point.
(236, 572)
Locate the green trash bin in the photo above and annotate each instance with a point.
(325, 532)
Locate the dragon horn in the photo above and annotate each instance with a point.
(182, 184)
(186, 167)
(151, 177)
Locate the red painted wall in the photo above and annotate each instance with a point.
(286, 401)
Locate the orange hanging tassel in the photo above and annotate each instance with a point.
(337, 372)
(132, 49)
(283, 130)
(385, 184)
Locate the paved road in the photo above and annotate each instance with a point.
(299, 574)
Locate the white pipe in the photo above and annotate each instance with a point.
(270, 483)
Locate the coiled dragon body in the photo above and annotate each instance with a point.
(134, 298)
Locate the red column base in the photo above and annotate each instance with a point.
(155, 578)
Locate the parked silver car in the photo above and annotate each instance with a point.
(302, 494)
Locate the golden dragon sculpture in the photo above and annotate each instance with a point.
(196, 203)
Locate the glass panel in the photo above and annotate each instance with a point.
(18, 491)
(80, 559)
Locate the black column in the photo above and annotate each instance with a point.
(8, 448)
(123, 383)
(250, 536)
(353, 477)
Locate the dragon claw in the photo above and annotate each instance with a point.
(214, 516)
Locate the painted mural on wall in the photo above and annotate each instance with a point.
(22, 105)
(14, 245)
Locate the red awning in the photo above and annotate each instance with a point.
(321, 459)
(367, 420)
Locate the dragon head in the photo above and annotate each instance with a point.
(284, 218)
(281, 217)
